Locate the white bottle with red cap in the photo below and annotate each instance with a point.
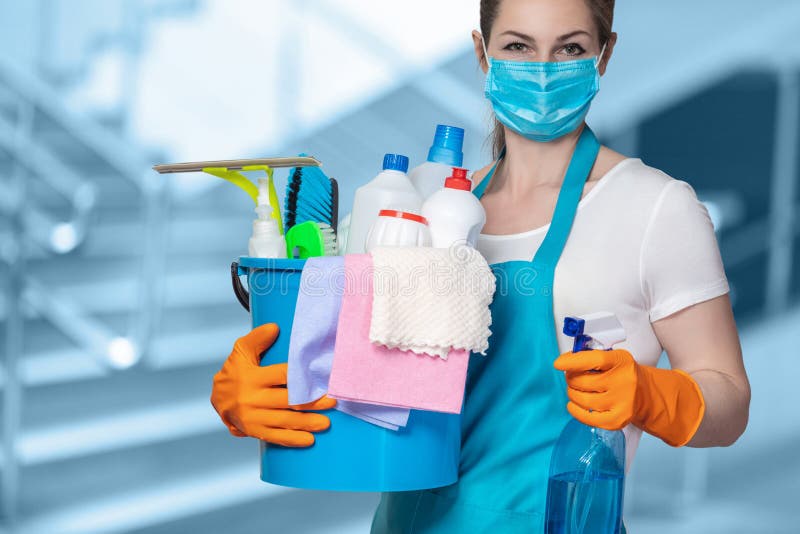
(395, 228)
(455, 216)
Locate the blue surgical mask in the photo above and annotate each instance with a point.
(542, 101)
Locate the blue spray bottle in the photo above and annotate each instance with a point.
(587, 469)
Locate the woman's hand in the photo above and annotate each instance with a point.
(609, 389)
(601, 386)
(253, 401)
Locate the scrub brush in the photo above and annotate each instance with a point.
(311, 196)
(311, 239)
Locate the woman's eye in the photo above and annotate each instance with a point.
(516, 47)
(574, 50)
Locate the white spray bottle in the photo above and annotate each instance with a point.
(266, 241)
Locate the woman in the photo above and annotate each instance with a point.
(624, 237)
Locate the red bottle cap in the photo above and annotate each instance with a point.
(403, 215)
(459, 180)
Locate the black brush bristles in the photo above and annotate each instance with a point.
(311, 196)
(290, 200)
(334, 205)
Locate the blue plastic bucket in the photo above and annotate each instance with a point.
(352, 455)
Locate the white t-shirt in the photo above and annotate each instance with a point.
(641, 246)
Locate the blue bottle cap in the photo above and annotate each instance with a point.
(448, 146)
(395, 162)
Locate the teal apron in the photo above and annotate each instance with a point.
(515, 404)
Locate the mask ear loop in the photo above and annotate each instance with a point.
(600, 57)
(485, 52)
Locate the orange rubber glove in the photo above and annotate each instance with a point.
(609, 389)
(253, 400)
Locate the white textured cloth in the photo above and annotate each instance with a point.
(429, 300)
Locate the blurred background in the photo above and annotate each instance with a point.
(116, 307)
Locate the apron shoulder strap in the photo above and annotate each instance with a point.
(568, 198)
(478, 191)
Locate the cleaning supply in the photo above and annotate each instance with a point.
(227, 170)
(388, 417)
(310, 239)
(666, 403)
(587, 468)
(454, 214)
(267, 240)
(366, 372)
(430, 301)
(251, 402)
(352, 455)
(314, 328)
(391, 189)
(399, 381)
(398, 229)
(311, 196)
(237, 165)
(445, 153)
(312, 341)
(268, 194)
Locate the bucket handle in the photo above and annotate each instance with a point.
(238, 289)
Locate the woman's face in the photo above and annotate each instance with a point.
(543, 30)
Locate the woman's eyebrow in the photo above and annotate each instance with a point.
(573, 34)
(522, 36)
(530, 39)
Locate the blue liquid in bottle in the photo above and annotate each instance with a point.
(587, 479)
(587, 470)
(585, 506)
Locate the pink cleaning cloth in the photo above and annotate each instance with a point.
(366, 372)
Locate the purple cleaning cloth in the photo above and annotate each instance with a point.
(377, 415)
(313, 337)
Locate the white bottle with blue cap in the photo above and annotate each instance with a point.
(445, 153)
(391, 189)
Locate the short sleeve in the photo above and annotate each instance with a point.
(680, 262)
